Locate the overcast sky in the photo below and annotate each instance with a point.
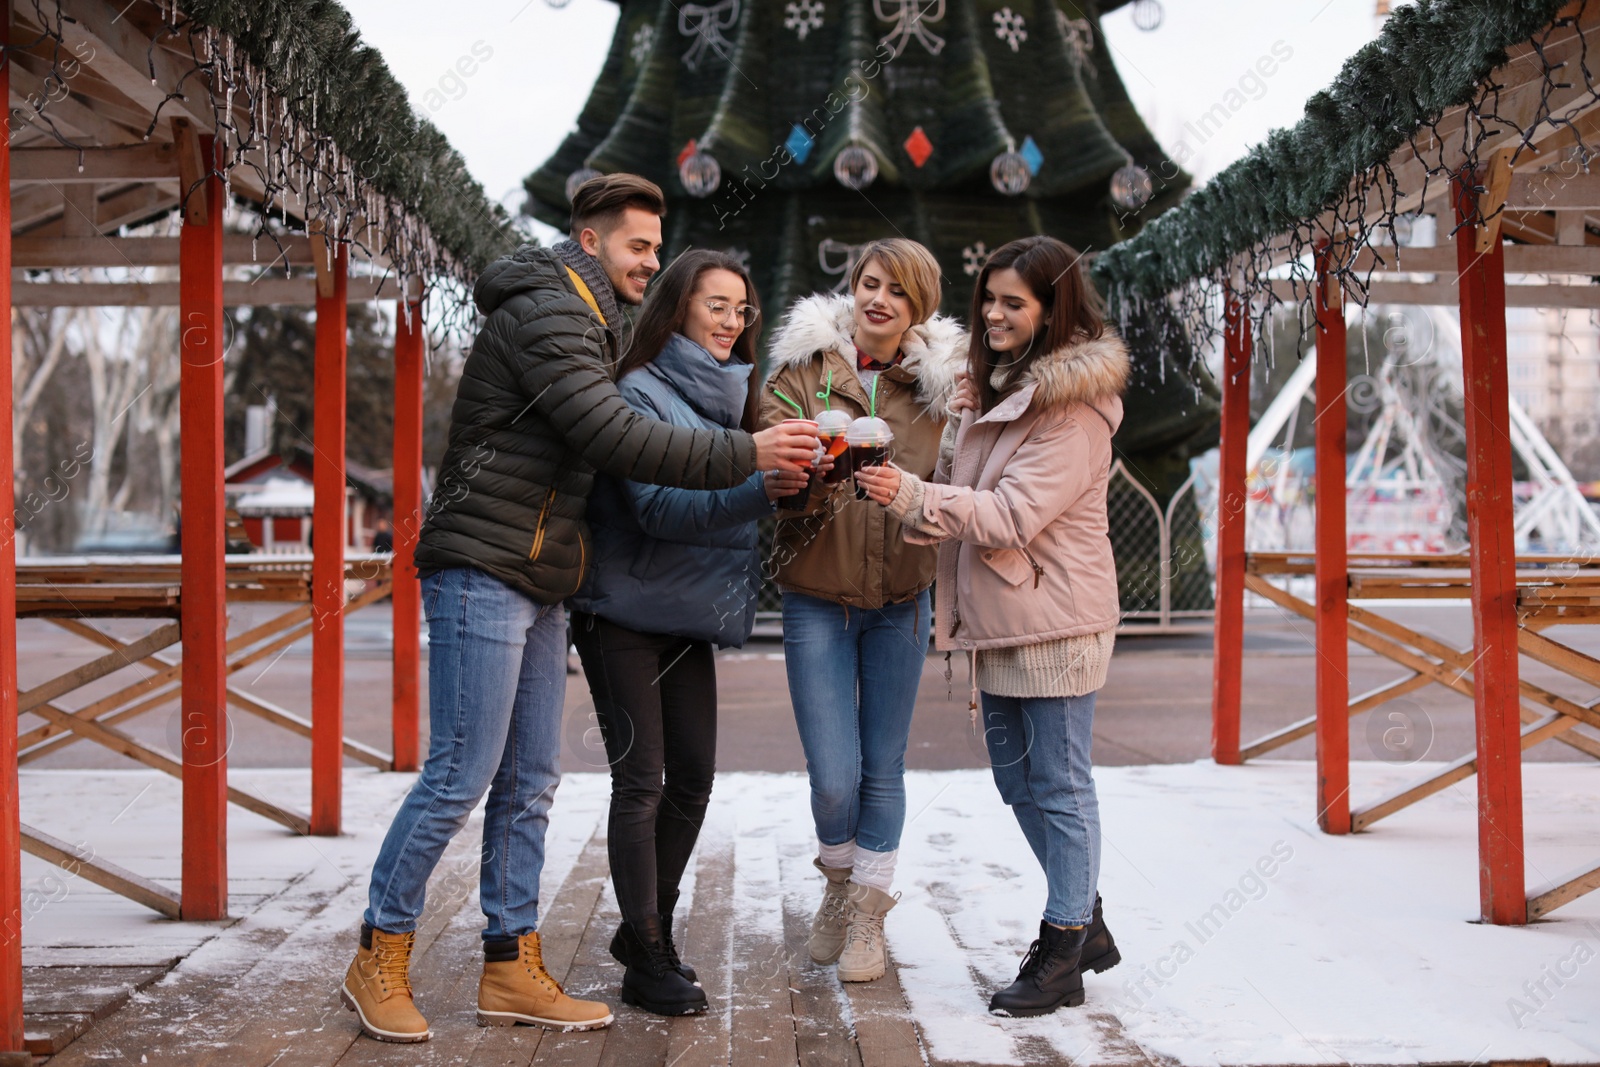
(532, 66)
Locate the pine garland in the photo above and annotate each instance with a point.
(339, 86)
(1430, 57)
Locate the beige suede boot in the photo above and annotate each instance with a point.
(515, 988)
(377, 987)
(827, 926)
(864, 957)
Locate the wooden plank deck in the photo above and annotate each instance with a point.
(271, 1002)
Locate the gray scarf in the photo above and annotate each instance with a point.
(588, 268)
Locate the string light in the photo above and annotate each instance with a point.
(1221, 241)
(318, 143)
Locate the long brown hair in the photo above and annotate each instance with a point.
(1053, 271)
(666, 309)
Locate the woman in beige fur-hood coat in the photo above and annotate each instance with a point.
(856, 615)
(842, 549)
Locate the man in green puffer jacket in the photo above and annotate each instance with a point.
(504, 542)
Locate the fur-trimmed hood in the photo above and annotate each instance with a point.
(934, 351)
(1093, 372)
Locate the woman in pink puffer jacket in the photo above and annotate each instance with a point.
(1026, 582)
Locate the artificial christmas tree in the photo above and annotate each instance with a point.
(791, 132)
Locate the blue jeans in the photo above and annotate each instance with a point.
(497, 682)
(1039, 755)
(853, 676)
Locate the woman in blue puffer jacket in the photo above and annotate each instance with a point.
(675, 572)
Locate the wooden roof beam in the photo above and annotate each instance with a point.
(117, 207)
(59, 74)
(1550, 190)
(123, 56)
(40, 253)
(138, 163)
(1520, 259)
(77, 118)
(80, 208)
(267, 291)
(1444, 294)
(32, 205)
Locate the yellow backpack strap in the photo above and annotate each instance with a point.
(588, 297)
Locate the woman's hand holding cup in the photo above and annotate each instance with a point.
(881, 483)
(780, 484)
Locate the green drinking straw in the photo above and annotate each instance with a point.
(797, 408)
(872, 407)
(827, 390)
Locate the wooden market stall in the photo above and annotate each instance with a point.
(122, 114)
(1499, 149)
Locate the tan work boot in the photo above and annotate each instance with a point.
(515, 988)
(377, 987)
(864, 957)
(827, 927)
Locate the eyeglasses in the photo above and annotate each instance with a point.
(746, 313)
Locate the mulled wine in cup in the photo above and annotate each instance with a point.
(869, 440)
(801, 498)
(831, 429)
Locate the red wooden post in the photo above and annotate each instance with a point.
(204, 615)
(406, 600)
(1502, 890)
(1228, 641)
(10, 817)
(328, 538)
(1332, 578)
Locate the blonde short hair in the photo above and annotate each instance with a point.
(911, 266)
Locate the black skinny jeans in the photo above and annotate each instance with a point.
(656, 698)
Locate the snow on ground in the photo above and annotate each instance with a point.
(1247, 936)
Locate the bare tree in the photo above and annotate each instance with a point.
(43, 335)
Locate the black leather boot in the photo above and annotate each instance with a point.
(1049, 977)
(651, 981)
(1099, 947)
(623, 952)
(672, 949)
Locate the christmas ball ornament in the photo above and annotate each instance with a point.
(855, 167)
(1131, 187)
(1147, 14)
(1010, 173)
(700, 174)
(577, 178)
(1402, 229)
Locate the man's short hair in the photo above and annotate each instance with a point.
(599, 202)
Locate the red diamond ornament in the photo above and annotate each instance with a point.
(918, 147)
(688, 150)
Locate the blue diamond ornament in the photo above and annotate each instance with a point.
(1032, 156)
(799, 143)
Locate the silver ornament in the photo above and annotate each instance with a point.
(855, 167)
(700, 174)
(1131, 187)
(1148, 14)
(1402, 229)
(1009, 173)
